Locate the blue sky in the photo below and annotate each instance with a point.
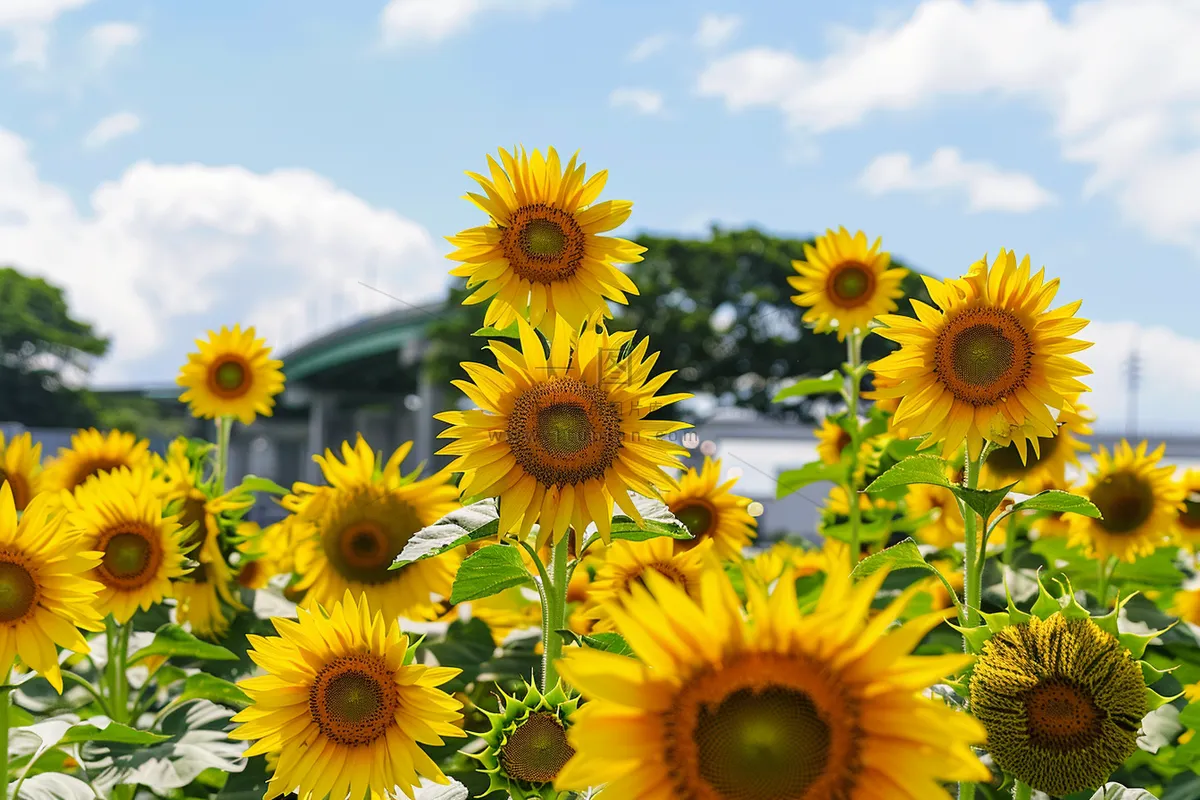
(183, 165)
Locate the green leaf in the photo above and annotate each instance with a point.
(983, 501)
(489, 571)
(829, 382)
(1115, 791)
(915, 469)
(467, 645)
(210, 687)
(510, 332)
(1055, 500)
(609, 642)
(253, 483)
(467, 524)
(247, 784)
(172, 640)
(102, 729)
(905, 555)
(52, 786)
(793, 480)
(657, 520)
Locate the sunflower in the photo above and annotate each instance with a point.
(527, 743)
(541, 253)
(1046, 467)
(94, 453)
(627, 563)
(1061, 694)
(267, 552)
(989, 359)
(1138, 501)
(832, 440)
(142, 549)
(344, 706)
(1188, 522)
(1186, 605)
(711, 511)
(818, 706)
(945, 527)
(844, 283)
(21, 468)
(361, 522)
(801, 562)
(560, 438)
(232, 375)
(45, 595)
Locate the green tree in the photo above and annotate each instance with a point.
(44, 355)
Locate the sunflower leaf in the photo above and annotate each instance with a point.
(511, 332)
(983, 502)
(172, 640)
(467, 524)
(253, 483)
(914, 469)
(1115, 791)
(489, 571)
(905, 555)
(831, 381)
(609, 642)
(52, 786)
(1063, 502)
(210, 687)
(814, 472)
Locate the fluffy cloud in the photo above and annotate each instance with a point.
(986, 187)
(716, 29)
(112, 127)
(109, 38)
(28, 23)
(1119, 78)
(410, 21)
(649, 46)
(166, 250)
(643, 101)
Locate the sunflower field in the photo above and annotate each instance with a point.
(567, 610)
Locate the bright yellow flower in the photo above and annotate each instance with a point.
(627, 563)
(1188, 522)
(1046, 467)
(21, 468)
(711, 511)
(832, 440)
(783, 557)
(945, 527)
(1186, 605)
(93, 453)
(232, 375)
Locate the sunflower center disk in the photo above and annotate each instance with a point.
(537, 750)
(543, 244)
(982, 355)
(354, 699)
(850, 284)
(762, 745)
(363, 536)
(698, 518)
(1062, 716)
(667, 570)
(564, 429)
(564, 432)
(18, 591)
(1190, 516)
(91, 468)
(1125, 501)
(229, 376)
(127, 559)
(1007, 460)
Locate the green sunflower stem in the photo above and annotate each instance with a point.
(5, 703)
(1103, 575)
(224, 428)
(853, 380)
(972, 577)
(118, 637)
(556, 597)
(1022, 791)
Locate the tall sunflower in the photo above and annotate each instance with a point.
(232, 375)
(361, 521)
(988, 359)
(844, 283)
(541, 253)
(819, 706)
(45, 596)
(710, 510)
(626, 564)
(21, 468)
(344, 705)
(142, 549)
(1188, 522)
(559, 438)
(1138, 501)
(1046, 466)
(94, 453)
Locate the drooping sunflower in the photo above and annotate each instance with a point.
(1138, 501)
(844, 283)
(945, 527)
(1061, 694)
(1188, 522)
(541, 253)
(94, 453)
(527, 743)
(344, 705)
(21, 468)
(45, 596)
(361, 522)
(989, 359)
(626, 564)
(819, 706)
(232, 375)
(118, 516)
(1045, 464)
(560, 438)
(832, 439)
(710, 510)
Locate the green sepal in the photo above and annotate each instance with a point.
(1015, 615)
(996, 622)
(976, 637)
(1136, 643)
(1046, 605)
(1155, 700)
(1069, 605)
(1151, 674)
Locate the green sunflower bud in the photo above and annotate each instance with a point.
(527, 743)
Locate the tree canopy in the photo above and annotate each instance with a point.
(718, 309)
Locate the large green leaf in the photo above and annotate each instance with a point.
(657, 520)
(511, 332)
(52, 786)
(609, 642)
(253, 483)
(203, 686)
(793, 480)
(39, 737)
(467, 524)
(1055, 500)
(904, 555)
(914, 469)
(829, 382)
(489, 571)
(983, 502)
(173, 641)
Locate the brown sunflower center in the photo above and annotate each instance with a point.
(983, 355)
(850, 284)
(193, 512)
(250, 574)
(564, 432)
(664, 568)
(94, 466)
(229, 377)
(1125, 500)
(363, 536)
(1007, 460)
(18, 589)
(132, 555)
(1061, 715)
(353, 699)
(543, 244)
(537, 749)
(698, 516)
(19, 487)
(1189, 518)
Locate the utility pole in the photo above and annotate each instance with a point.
(1133, 376)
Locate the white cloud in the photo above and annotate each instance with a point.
(165, 251)
(643, 101)
(430, 21)
(28, 23)
(1120, 79)
(107, 39)
(112, 127)
(649, 46)
(987, 187)
(716, 29)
